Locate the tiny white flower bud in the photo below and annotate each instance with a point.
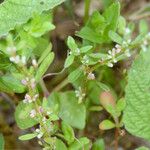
(33, 83)
(12, 59)
(23, 60)
(39, 135)
(114, 60)
(110, 52)
(37, 130)
(145, 42)
(91, 76)
(33, 113)
(24, 82)
(34, 63)
(17, 59)
(109, 64)
(127, 30)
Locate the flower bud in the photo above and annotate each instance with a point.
(106, 100)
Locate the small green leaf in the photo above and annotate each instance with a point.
(121, 25)
(45, 53)
(106, 125)
(7, 84)
(121, 104)
(103, 86)
(82, 143)
(98, 145)
(22, 117)
(96, 108)
(68, 132)
(44, 66)
(71, 43)
(90, 35)
(73, 76)
(27, 136)
(69, 61)
(60, 145)
(111, 15)
(115, 37)
(143, 26)
(85, 49)
(142, 148)
(2, 142)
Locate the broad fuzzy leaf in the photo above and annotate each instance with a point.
(17, 12)
(137, 112)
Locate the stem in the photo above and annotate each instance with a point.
(86, 10)
(44, 88)
(61, 85)
(116, 138)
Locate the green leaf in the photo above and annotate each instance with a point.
(69, 61)
(27, 136)
(72, 44)
(121, 104)
(143, 26)
(96, 108)
(115, 37)
(22, 117)
(60, 145)
(82, 143)
(44, 66)
(69, 110)
(73, 76)
(90, 35)
(2, 142)
(17, 12)
(39, 25)
(106, 125)
(98, 145)
(121, 25)
(45, 53)
(68, 132)
(142, 148)
(111, 16)
(137, 112)
(7, 85)
(85, 49)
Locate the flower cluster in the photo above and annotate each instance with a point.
(29, 99)
(112, 55)
(14, 57)
(80, 95)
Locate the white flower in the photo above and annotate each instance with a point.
(91, 76)
(24, 82)
(80, 95)
(34, 63)
(33, 83)
(23, 60)
(27, 99)
(33, 113)
(109, 64)
(40, 134)
(11, 49)
(35, 97)
(127, 30)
